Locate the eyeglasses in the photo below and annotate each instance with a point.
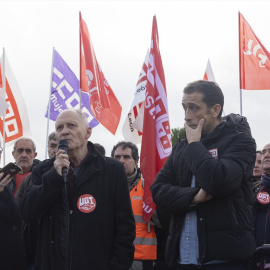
(1, 150)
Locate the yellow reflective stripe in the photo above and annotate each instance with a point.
(145, 241)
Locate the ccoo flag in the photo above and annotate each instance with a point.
(254, 59)
(65, 92)
(16, 118)
(133, 125)
(103, 103)
(209, 75)
(156, 139)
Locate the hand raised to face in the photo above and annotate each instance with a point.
(194, 134)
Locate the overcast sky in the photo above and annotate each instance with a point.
(190, 33)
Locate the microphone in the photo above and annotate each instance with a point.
(63, 145)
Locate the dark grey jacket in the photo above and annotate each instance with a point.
(224, 223)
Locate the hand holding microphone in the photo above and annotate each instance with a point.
(61, 162)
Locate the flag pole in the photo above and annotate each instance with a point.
(4, 97)
(80, 16)
(239, 42)
(49, 106)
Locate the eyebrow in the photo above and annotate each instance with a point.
(24, 149)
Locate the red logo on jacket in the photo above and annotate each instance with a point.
(214, 153)
(86, 203)
(263, 197)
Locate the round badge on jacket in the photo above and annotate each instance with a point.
(263, 197)
(86, 203)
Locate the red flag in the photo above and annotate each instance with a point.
(254, 59)
(209, 75)
(156, 138)
(103, 103)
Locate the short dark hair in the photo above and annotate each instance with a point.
(124, 145)
(52, 136)
(259, 152)
(100, 149)
(211, 92)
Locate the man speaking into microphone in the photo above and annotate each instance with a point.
(86, 221)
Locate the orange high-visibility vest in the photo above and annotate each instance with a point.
(145, 242)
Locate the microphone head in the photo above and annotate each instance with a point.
(63, 144)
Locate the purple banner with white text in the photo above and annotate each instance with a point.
(65, 92)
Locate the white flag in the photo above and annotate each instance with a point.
(209, 75)
(133, 124)
(16, 118)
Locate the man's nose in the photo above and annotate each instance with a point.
(64, 131)
(122, 159)
(187, 115)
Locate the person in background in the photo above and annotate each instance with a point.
(206, 185)
(145, 241)
(11, 250)
(100, 149)
(262, 214)
(29, 229)
(52, 145)
(26, 183)
(24, 153)
(86, 219)
(257, 172)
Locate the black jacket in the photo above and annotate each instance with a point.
(224, 223)
(101, 239)
(11, 249)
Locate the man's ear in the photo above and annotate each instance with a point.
(88, 132)
(216, 110)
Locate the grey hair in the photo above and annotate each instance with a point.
(81, 115)
(26, 139)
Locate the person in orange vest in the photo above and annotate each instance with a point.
(145, 241)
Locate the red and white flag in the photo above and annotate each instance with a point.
(209, 75)
(156, 139)
(16, 117)
(103, 103)
(133, 125)
(254, 59)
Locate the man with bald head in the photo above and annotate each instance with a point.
(88, 221)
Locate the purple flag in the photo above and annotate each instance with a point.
(65, 92)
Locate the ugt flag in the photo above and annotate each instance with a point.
(16, 118)
(133, 125)
(209, 75)
(103, 103)
(156, 139)
(254, 59)
(65, 92)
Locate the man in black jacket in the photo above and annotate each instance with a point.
(261, 214)
(206, 185)
(86, 223)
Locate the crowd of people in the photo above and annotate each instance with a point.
(81, 209)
